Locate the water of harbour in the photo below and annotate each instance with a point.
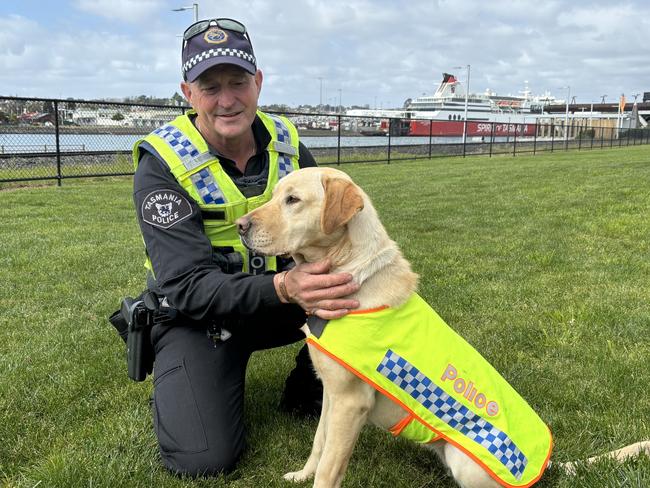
(33, 143)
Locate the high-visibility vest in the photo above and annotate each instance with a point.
(199, 172)
(447, 388)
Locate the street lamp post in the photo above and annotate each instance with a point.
(320, 103)
(194, 7)
(468, 67)
(566, 113)
(621, 111)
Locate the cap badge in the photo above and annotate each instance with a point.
(215, 36)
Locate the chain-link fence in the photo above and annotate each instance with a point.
(45, 139)
(51, 139)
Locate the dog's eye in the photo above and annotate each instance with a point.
(291, 199)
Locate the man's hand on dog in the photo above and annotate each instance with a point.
(319, 293)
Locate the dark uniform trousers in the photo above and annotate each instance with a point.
(198, 399)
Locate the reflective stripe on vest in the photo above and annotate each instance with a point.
(413, 357)
(199, 172)
(283, 147)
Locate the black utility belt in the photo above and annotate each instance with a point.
(136, 318)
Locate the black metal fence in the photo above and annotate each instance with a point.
(53, 139)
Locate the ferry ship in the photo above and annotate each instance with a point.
(488, 114)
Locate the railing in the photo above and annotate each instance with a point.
(40, 148)
(53, 139)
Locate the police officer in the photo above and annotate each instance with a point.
(194, 177)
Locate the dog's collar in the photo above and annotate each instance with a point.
(316, 325)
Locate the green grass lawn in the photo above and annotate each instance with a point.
(542, 263)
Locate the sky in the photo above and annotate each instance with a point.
(361, 52)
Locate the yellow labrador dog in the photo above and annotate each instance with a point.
(319, 213)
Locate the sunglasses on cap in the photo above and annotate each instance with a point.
(204, 25)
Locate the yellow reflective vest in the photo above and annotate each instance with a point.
(449, 390)
(199, 172)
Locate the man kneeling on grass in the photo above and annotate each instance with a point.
(195, 176)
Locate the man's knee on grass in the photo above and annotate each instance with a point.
(211, 462)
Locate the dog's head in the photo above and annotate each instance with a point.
(310, 209)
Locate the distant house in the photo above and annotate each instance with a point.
(36, 118)
(123, 117)
(151, 118)
(99, 116)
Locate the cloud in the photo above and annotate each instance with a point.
(86, 63)
(133, 11)
(370, 49)
(13, 42)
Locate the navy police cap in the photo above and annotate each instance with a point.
(213, 46)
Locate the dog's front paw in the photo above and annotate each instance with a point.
(297, 476)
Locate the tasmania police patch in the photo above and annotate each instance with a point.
(165, 208)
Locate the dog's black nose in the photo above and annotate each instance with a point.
(243, 224)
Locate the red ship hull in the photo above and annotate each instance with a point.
(474, 129)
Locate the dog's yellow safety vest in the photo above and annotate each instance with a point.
(448, 389)
(199, 172)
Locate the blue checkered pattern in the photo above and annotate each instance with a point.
(281, 129)
(284, 165)
(284, 162)
(179, 143)
(452, 412)
(222, 51)
(207, 187)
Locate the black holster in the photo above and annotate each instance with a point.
(133, 323)
(139, 351)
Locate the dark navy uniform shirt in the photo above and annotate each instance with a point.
(182, 255)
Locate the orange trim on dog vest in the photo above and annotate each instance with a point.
(399, 426)
(368, 310)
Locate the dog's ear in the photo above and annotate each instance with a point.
(342, 202)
